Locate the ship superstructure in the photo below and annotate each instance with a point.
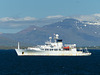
(50, 48)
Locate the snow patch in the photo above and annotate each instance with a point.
(57, 26)
(95, 32)
(85, 25)
(34, 28)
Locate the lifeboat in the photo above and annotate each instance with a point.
(66, 47)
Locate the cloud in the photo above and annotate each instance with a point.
(92, 17)
(97, 14)
(17, 19)
(16, 23)
(29, 18)
(56, 16)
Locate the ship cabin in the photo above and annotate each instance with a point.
(52, 46)
(57, 45)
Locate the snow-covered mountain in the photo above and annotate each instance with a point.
(89, 19)
(70, 30)
(82, 30)
(12, 24)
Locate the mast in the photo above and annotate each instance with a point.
(18, 46)
(50, 39)
(56, 36)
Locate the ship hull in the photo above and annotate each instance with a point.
(26, 52)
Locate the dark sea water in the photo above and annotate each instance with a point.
(11, 64)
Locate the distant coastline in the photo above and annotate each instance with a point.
(9, 47)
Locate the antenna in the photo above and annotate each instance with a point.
(50, 38)
(56, 37)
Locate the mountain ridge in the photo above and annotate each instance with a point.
(70, 30)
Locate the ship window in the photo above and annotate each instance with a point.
(46, 49)
(55, 49)
(59, 49)
(51, 49)
(22, 52)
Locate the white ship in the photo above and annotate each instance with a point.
(50, 48)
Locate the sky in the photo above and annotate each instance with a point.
(33, 9)
(43, 8)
